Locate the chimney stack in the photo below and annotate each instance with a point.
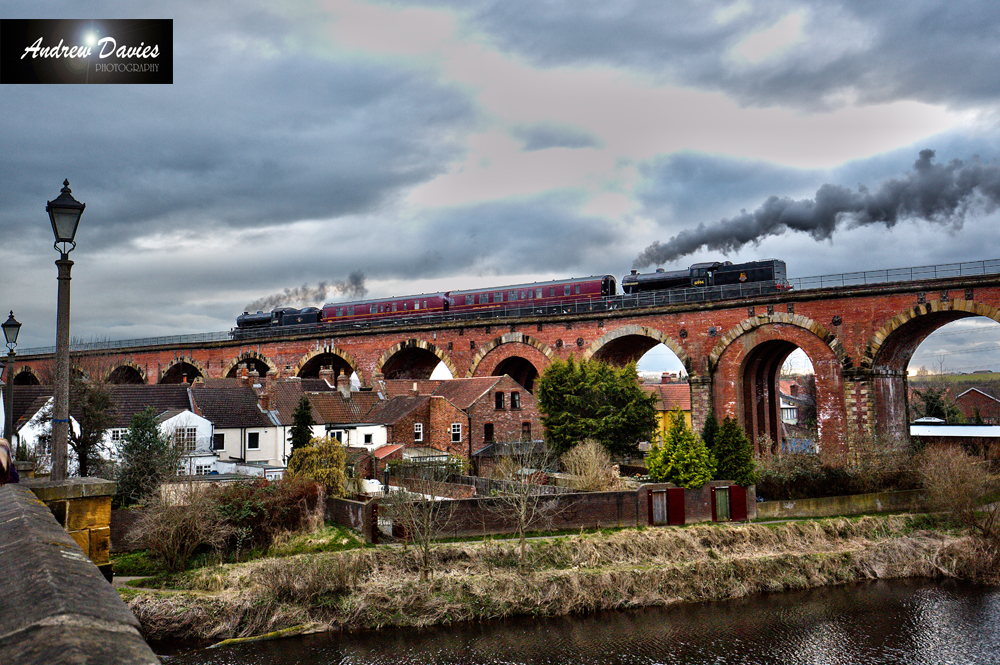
(344, 385)
(326, 373)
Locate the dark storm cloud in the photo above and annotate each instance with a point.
(942, 193)
(941, 52)
(247, 136)
(551, 135)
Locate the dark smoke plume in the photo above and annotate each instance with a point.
(307, 296)
(935, 192)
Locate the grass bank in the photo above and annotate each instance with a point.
(377, 587)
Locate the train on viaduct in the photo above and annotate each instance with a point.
(858, 337)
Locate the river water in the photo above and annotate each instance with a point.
(891, 622)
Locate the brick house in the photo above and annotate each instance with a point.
(458, 416)
(974, 401)
(670, 396)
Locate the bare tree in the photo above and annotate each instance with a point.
(591, 464)
(420, 518)
(522, 495)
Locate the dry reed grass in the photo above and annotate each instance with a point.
(630, 568)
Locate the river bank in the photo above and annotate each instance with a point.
(378, 587)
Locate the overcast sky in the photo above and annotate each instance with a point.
(436, 145)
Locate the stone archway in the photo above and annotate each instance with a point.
(745, 364)
(337, 360)
(413, 359)
(26, 376)
(623, 345)
(182, 370)
(254, 361)
(127, 373)
(519, 356)
(881, 391)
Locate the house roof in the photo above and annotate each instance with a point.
(393, 410)
(334, 409)
(670, 396)
(229, 406)
(957, 431)
(977, 390)
(128, 399)
(403, 387)
(463, 393)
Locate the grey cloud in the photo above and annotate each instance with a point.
(935, 52)
(543, 136)
(933, 192)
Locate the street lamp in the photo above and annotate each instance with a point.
(10, 330)
(64, 213)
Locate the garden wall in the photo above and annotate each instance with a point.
(911, 501)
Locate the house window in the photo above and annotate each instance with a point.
(368, 439)
(253, 440)
(219, 441)
(117, 434)
(185, 439)
(515, 400)
(488, 433)
(418, 431)
(456, 432)
(202, 469)
(499, 400)
(526, 431)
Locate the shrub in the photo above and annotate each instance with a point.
(173, 532)
(592, 464)
(257, 510)
(323, 461)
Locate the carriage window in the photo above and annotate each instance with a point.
(340, 311)
(566, 290)
(498, 296)
(350, 310)
(394, 307)
(538, 293)
(552, 291)
(470, 300)
(416, 304)
(577, 289)
(512, 296)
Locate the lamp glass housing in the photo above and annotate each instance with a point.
(11, 328)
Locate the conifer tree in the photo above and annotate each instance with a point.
(691, 464)
(734, 454)
(147, 459)
(302, 422)
(710, 431)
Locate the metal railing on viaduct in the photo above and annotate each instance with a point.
(619, 302)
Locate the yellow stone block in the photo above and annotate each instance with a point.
(100, 546)
(88, 512)
(82, 538)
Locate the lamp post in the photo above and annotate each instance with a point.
(10, 330)
(64, 213)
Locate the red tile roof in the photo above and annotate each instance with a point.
(670, 396)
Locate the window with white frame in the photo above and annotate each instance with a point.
(202, 469)
(418, 431)
(185, 439)
(117, 434)
(456, 432)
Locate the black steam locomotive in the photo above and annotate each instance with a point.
(716, 273)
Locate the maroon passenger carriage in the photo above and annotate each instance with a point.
(535, 294)
(423, 304)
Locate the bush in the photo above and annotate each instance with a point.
(592, 464)
(172, 533)
(257, 510)
(323, 461)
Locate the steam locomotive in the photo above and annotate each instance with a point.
(769, 275)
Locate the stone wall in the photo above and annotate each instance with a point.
(908, 501)
(56, 607)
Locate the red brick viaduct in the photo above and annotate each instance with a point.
(858, 338)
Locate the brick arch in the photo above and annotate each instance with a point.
(328, 351)
(509, 338)
(884, 343)
(745, 365)
(415, 344)
(250, 355)
(183, 360)
(30, 376)
(638, 331)
(755, 322)
(126, 365)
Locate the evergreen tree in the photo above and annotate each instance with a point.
(589, 399)
(147, 459)
(691, 465)
(734, 454)
(683, 459)
(302, 422)
(710, 431)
